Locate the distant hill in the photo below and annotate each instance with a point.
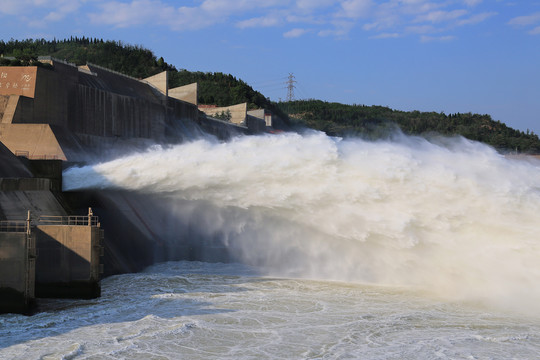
(224, 90)
(214, 88)
(377, 121)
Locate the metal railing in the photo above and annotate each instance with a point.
(13, 226)
(68, 220)
(51, 58)
(26, 225)
(24, 153)
(112, 71)
(27, 155)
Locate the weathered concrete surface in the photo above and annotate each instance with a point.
(35, 141)
(262, 114)
(223, 130)
(15, 204)
(255, 125)
(187, 93)
(18, 80)
(142, 229)
(11, 166)
(17, 269)
(86, 107)
(160, 81)
(68, 264)
(238, 112)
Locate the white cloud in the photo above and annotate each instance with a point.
(535, 31)
(441, 16)
(313, 4)
(356, 8)
(57, 9)
(476, 18)
(472, 2)
(387, 36)
(62, 10)
(341, 29)
(528, 20)
(137, 12)
(294, 33)
(425, 38)
(525, 20)
(264, 21)
(422, 29)
(381, 18)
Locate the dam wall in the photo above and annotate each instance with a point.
(17, 267)
(187, 93)
(39, 241)
(51, 117)
(142, 229)
(68, 262)
(63, 111)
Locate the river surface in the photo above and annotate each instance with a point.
(193, 310)
(407, 248)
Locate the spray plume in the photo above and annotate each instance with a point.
(449, 216)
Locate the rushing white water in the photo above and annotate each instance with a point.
(187, 310)
(402, 249)
(448, 216)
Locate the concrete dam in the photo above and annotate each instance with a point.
(56, 243)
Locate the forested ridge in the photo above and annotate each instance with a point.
(374, 122)
(214, 87)
(225, 89)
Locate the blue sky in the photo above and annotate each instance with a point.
(480, 56)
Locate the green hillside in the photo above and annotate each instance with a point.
(224, 90)
(214, 88)
(377, 121)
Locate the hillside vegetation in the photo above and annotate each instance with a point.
(378, 121)
(133, 60)
(225, 89)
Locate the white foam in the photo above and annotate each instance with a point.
(449, 216)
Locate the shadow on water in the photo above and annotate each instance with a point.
(169, 290)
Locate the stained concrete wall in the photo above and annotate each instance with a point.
(102, 113)
(10, 165)
(187, 93)
(18, 80)
(238, 112)
(221, 129)
(141, 230)
(159, 81)
(84, 104)
(35, 141)
(68, 263)
(17, 270)
(15, 204)
(262, 114)
(4, 99)
(255, 125)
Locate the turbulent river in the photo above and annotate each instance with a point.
(400, 249)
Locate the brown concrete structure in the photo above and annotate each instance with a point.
(17, 267)
(238, 112)
(160, 81)
(262, 114)
(70, 247)
(56, 113)
(238, 116)
(11, 167)
(69, 250)
(187, 93)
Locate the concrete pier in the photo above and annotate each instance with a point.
(69, 252)
(49, 256)
(17, 267)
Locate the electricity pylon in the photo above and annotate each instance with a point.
(290, 87)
